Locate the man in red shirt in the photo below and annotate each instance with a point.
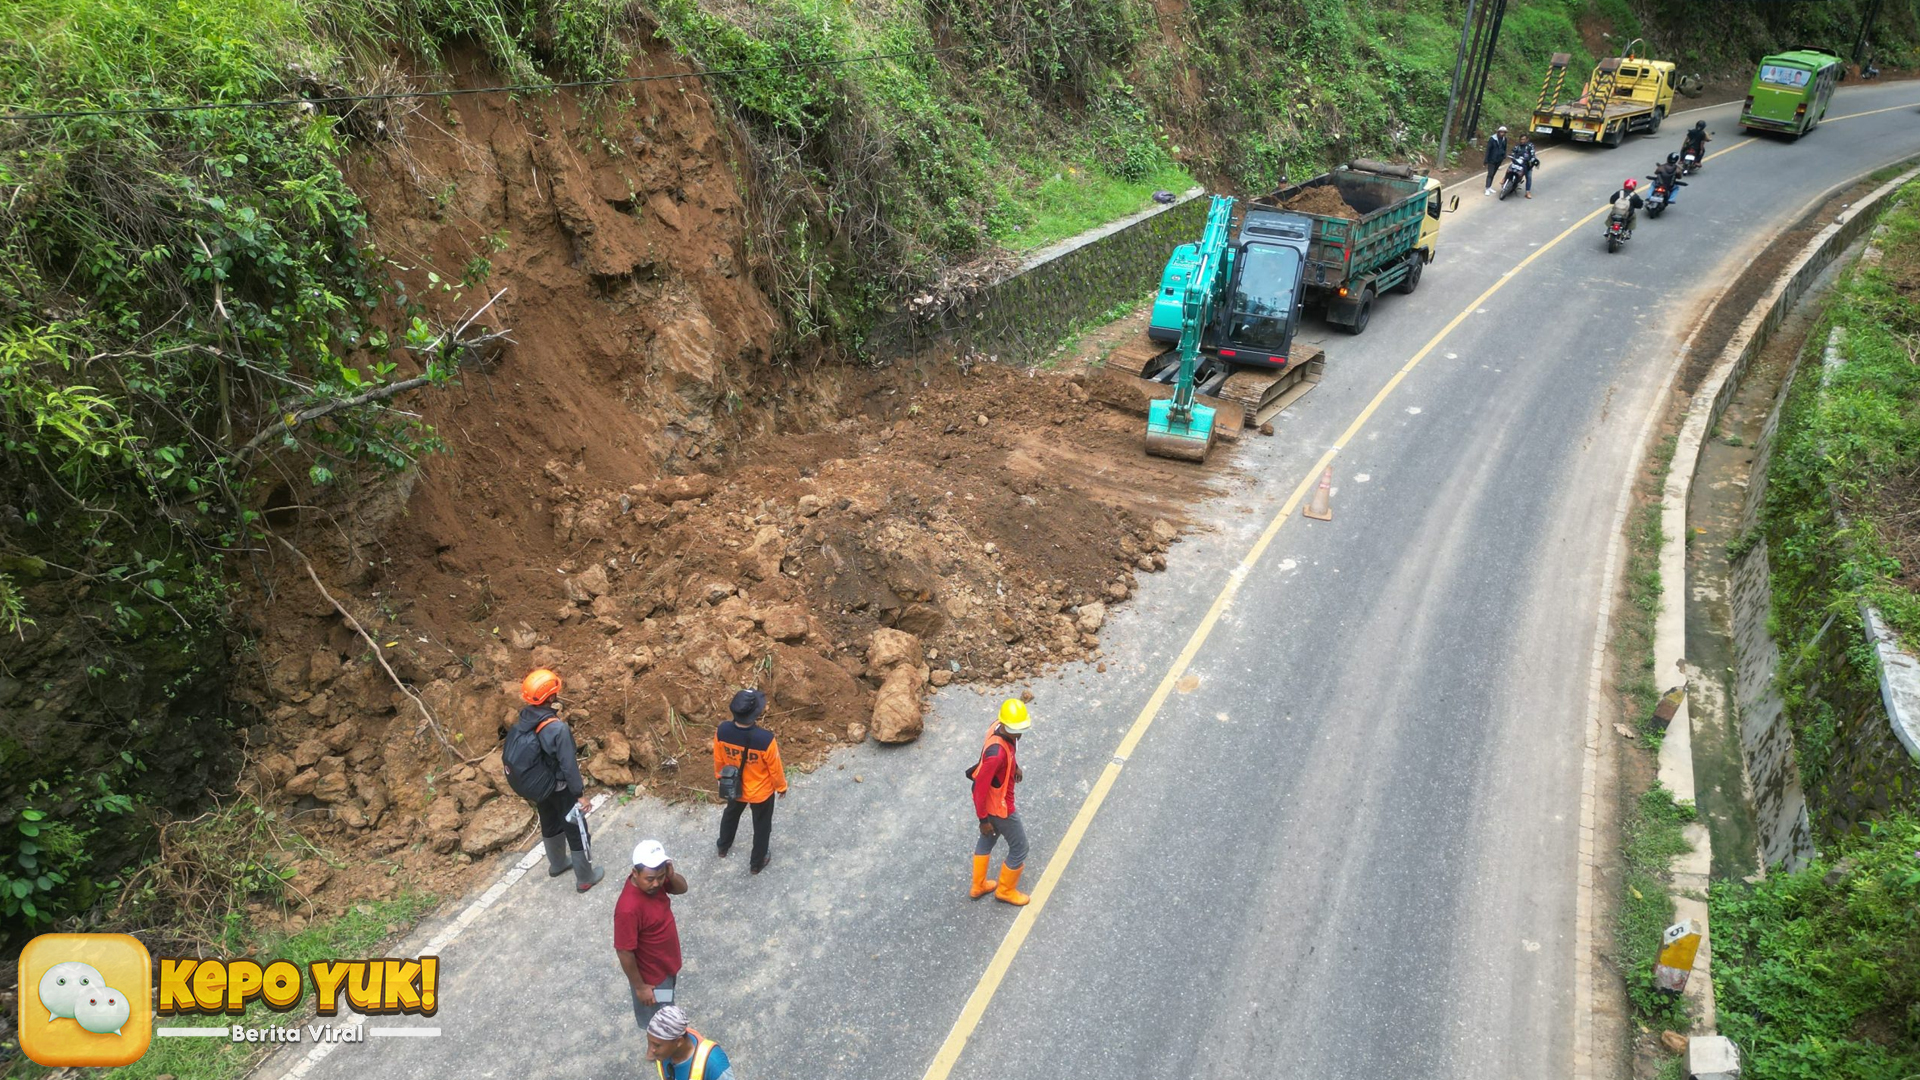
(645, 936)
(993, 780)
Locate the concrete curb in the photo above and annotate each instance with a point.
(1691, 869)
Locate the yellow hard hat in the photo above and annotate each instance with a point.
(1013, 715)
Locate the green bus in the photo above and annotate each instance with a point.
(1790, 91)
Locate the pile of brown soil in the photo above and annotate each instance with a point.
(640, 496)
(1322, 199)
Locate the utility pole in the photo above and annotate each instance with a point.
(1453, 92)
(1477, 78)
(1866, 24)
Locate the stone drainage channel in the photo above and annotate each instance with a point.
(1724, 750)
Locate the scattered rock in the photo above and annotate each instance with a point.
(1623, 731)
(1840, 871)
(323, 667)
(1117, 591)
(923, 620)
(470, 793)
(594, 580)
(615, 747)
(498, 824)
(350, 815)
(1674, 1041)
(1101, 668)
(673, 489)
(443, 815)
(609, 772)
(891, 648)
(308, 753)
(342, 736)
(604, 607)
(809, 505)
(857, 731)
(523, 637)
(1092, 617)
(273, 771)
(1145, 562)
(302, 783)
(786, 622)
(940, 677)
(1164, 531)
(1266, 428)
(332, 788)
(896, 708)
(1026, 695)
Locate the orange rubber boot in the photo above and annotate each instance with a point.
(982, 884)
(1007, 892)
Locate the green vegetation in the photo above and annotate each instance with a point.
(1653, 836)
(1854, 442)
(1634, 625)
(1817, 973)
(358, 933)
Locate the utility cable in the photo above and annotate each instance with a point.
(513, 88)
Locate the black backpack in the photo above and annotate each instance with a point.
(732, 781)
(531, 771)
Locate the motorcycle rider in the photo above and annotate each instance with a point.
(1695, 143)
(1666, 174)
(1524, 158)
(1629, 196)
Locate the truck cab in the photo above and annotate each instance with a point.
(1256, 324)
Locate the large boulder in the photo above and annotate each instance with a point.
(897, 714)
(891, 648)
(498, 824)
(785, 622)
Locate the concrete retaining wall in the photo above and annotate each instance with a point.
(1020, 319)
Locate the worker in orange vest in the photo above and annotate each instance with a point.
(993, 780)
(748, 771)
(678, 1052)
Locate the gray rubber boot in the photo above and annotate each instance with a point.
(585, 874)
(557, 861)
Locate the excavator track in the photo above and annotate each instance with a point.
(1253, 395)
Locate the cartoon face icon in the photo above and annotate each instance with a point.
(63, 984)
(102, 1010)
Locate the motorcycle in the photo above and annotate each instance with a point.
(1617, 231)
(1689, 163)
(1511, 183)
(1658, 198)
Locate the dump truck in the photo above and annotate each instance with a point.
(1245, 365)
(1625, 95)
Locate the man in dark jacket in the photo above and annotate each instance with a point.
(1496, 153)
(539, 758)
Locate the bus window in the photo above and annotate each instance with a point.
(1776, 75)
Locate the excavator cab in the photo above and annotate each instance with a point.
(1269, 278)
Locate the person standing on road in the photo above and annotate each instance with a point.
(539, 759)
(1496, 154)
(747, 767)
(680, 1053)
(993, 780)
(645, 936)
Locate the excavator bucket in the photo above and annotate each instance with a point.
(1170, 436)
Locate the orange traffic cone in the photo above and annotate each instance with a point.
(1318, 509)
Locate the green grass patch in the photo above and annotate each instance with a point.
(1634, 627)
(1652, 835)
(1849, 444)
(1820, 980)
(1075, 199)
(354, 935)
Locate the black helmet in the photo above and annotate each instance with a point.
(1673, 158)
(1699, 125)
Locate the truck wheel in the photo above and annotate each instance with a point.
(1416, 262)
(1654, 124)
(1364, 315)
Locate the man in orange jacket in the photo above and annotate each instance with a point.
(993, 780)
(746, 765)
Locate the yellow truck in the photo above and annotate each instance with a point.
(1624, 95)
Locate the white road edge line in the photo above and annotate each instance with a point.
(439, 941)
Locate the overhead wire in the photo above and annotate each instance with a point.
(509, 88)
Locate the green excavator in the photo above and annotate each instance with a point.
(1256, 283)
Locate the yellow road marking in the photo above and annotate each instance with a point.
(1870, 112)
(996, 972)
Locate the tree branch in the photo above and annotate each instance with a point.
(315, 412)
(378, 654)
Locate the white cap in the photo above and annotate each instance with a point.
(651, 854)
(1502, 127)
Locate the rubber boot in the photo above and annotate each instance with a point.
(585, 874)
(1007, 892)
(982, 884)
(557, 861)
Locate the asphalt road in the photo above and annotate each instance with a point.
(1347, 844)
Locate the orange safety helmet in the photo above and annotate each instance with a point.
(539, 687)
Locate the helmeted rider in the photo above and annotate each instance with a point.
(1695, 142)
(1666, 174)
(1525, 159)
(1628, 196)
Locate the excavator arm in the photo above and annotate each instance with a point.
(1181, 427)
